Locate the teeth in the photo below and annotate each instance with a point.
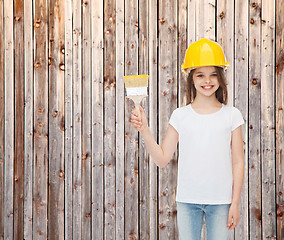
(208, 87)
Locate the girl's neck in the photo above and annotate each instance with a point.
(206, 102)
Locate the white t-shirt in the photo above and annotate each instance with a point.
(205, 163)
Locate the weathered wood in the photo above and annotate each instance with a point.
(56, 120)
(119, 141)
(28, 162)
(143, 164)
(9, 121)
(2, 115)
(191, 22)
(93, 169)
(77, 120)
(68, 143)
(254, 167)
(131, 135)
(279, 91)
(86, 130)
(225, 37)
(182, 46)
(97, 123)
(19, 119)
(205, 19)
(167, 103)
(109, 116)
(40, 188)
(153, 116)
(267, 120)
(239, 100)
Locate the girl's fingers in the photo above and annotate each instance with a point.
(134, 112)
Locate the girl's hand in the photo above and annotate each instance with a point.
(140, 124)
(235, 215)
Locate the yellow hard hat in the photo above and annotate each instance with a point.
(204, 52)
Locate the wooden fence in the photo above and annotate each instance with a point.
(71, 166)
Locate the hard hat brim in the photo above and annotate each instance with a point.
(188, 69)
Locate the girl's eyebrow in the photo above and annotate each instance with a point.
(203, 72)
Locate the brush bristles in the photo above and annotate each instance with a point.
(133, 81)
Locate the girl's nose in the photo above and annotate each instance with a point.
(208, 80)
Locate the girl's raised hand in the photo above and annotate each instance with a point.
(139, 123)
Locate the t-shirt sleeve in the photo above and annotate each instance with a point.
(237, 118)
(174, 120)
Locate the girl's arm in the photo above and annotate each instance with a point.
(237, 164)
(160, 154)
(238, 175)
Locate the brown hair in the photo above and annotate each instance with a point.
(221, 93)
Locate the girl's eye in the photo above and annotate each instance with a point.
(214, 75)
(199, 75)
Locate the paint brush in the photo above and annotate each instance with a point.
(136, 89)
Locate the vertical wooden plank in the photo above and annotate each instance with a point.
(143, 164)
(267, 120)
(86, 130)
(167, 103)
(254, 120)
(240, 96)
(56, 120)
(191, 22)
(119, 120)
(19, 118)
(182, 46)
(205, 15)
(28, 162)
(68, 143)
(225, 37)
(279, 77)
(9, 121)
(153, 116)
(240, 99)
(40, 121)
(131, 135)
(109, 117)
(2, 116)
(97, 122)
(77, 121)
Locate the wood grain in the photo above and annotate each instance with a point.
(40, 170)
(279, 91)
(254, 152)
(56, 119)
(167, 103)
(86, 121)
(2, 120)
(239, 101)
(19, 119)
(68, 121)
(97, 122)
(119, 141)
(77, 120)
(267, 127)
(29, 130)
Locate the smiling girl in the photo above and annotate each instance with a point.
(209, 133)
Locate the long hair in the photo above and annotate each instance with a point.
(221, 93)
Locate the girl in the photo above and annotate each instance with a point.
(211, 163)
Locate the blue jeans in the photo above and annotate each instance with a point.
(190, 221)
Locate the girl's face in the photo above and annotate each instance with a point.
(205, 80)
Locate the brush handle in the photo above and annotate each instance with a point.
(137, 109)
